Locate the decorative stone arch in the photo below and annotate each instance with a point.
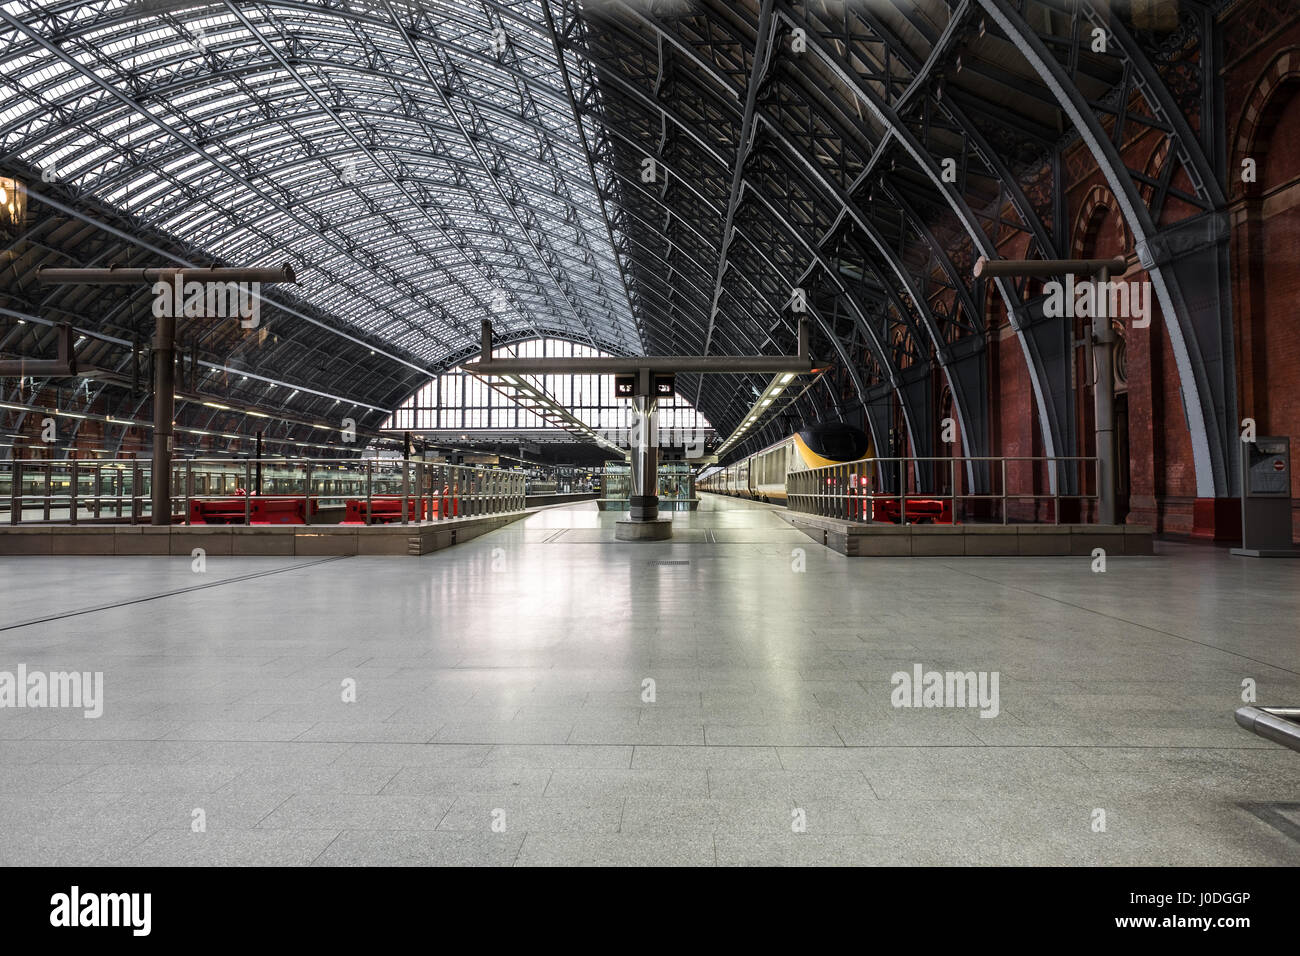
(1087, 223)
(1262, 105)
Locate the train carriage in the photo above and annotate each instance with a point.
(763, 475)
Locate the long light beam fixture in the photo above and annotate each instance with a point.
(756, 412)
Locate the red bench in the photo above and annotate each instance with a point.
(260, 510)
(282, 510)
(886, 509)
(217, 510)
(385, 509)
(936, 510)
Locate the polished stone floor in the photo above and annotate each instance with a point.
(503, 710)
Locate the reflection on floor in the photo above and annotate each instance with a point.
(544, 694)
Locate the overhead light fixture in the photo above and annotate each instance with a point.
(13, 204)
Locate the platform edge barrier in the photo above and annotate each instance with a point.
(858, 539)
(248, 541)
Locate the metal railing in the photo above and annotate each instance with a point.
(850, 491)
(72, 491)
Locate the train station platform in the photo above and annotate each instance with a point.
(544, 694)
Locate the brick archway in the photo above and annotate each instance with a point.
(1256, 115)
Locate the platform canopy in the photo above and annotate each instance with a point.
(640, 178)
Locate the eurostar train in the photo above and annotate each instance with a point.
(762, 476)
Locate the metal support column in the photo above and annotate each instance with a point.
(137, 480)
(306, 492)
(370, 488)
(644, 503)
(1103, 397)
(164, 410)
(16, 492)
(406, 490)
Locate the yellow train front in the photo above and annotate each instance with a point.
(763, 475)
